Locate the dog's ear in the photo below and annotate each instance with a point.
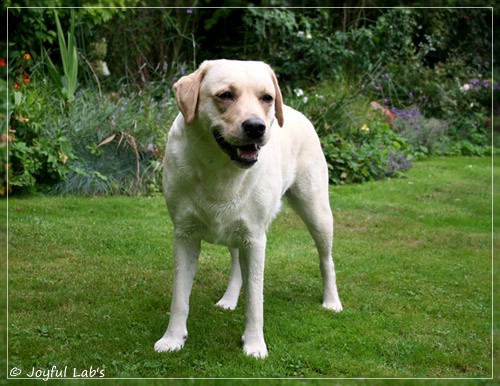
(278, 102)
(186, 91)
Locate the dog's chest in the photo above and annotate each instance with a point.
(217, 221)
(217, 213)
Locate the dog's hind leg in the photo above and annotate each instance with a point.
(311, 202)
(230, 299)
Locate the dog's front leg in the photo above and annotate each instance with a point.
(252, 259)
(186, 254)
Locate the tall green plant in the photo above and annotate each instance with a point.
(68, 83)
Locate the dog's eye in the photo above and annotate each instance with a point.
(226, 96)
(267, 98)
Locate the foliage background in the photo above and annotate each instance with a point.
(429, 71)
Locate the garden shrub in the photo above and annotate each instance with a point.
(437, 111)
(374, 152)
(426, 136)
(148, 44)
(56, 146)
(358, 141)
(433, 69)
(4, 130)
(119, 145)
(304, 46)
(333, 106)
(39, 149)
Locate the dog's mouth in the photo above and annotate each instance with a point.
(244, 156)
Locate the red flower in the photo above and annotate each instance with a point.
(26, 79)
(3, 62)
(487, 122)
(16, 86)
(27, 56)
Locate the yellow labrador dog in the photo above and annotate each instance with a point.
(233, 153)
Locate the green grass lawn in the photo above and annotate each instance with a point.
(90, 279)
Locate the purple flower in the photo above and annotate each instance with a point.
(410, 94)
(397, 163)
(189, 10)
(415, 112)
(183, 71)
(378, 88)
(486, 84)
(475, 81)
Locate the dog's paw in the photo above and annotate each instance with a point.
(256, 348)
(334, 306)
(227, 304)
(169, 344)
(258, 351)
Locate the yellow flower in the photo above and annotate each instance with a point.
(63, 157)
(365, 127)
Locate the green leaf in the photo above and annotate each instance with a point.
(18, 98)
(69, 57)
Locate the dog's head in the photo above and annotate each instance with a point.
(237, 101)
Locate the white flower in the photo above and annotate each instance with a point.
(299, 92)
(308, 36)
(465, 87)
(105, 69)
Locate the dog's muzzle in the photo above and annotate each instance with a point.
(244, 156)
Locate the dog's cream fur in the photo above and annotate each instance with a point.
(224, 186)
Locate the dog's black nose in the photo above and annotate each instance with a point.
(254, 128)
